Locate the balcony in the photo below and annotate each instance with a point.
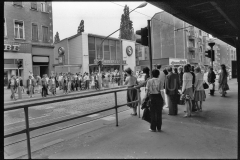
(191, 37)
(191, 49)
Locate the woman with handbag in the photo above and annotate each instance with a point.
(199, 92)
(153, 90)
(223, 86)
(132, 95)
(187, 90)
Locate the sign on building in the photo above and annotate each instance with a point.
(180, 62)
(9, 47)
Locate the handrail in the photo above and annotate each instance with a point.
(26, 105)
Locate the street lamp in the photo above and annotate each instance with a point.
(140, 6)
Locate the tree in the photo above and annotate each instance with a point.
(56, 38)
(81, 27)
(126, 31)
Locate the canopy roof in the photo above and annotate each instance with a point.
(220, 18)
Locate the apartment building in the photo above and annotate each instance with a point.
(178, 41)
(28, 37)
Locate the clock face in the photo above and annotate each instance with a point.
(129, 51)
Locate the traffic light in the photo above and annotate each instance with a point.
(144, 36)
(100, 63)
(19, 63)
(210, 54)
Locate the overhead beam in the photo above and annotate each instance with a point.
(223, 14)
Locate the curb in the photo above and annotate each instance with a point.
(58, 96)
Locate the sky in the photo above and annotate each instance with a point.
(101, 18)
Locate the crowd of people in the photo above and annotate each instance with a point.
(170, 86)
(67, 82)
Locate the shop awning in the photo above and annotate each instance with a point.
(67, 65)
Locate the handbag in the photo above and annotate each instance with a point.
(27, 91)
(205, 85)
(226, 87)
(146, 103)
(181, 99)
(146, 115)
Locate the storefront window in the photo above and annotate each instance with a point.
(99, 51)
(91, 47)
(113, 49)
(106, 50)
(118, 51)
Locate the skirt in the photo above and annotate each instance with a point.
(132, 96)
(199, 95)
(189, 92)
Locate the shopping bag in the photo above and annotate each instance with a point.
(211, 86)
(146, 115)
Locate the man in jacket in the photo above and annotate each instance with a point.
(30, 84)
(12, 84)
(172, 86)
(211, 80)
(44, 86)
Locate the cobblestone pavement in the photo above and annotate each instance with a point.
(66, 108)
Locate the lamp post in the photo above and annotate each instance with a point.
(140, 6)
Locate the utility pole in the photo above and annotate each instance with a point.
(211, 45)
(150, 47)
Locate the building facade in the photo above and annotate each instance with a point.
(175, 39)
(28, 37)
(82, 51)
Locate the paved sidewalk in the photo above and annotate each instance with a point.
(7, 93)
(208, 134)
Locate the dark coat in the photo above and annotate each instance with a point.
(172, 84)
(33, 83)
(15, 83)
(211, 77)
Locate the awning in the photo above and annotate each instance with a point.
(67, 65)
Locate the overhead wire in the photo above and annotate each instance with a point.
(146, 15)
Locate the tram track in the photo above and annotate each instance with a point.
(67, 127)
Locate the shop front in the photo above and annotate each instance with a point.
(108, 65)
(14, 52)
(164, 62)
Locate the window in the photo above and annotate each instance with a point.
(99, 51)
(45, 33)
(200, 32)
(34, 32)
(91, 47)
(106, 50)
(19, 29)
(193, 55)
(5, 28)
(34, 5)
(113, 49)
(17, 3)
(118, 56)
(43, 7)
(200, 49)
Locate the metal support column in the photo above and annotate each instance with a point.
(150, 47)
(116, 111)
(27, 132)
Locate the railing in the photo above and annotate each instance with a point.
(25, 106)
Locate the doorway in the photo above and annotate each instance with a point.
(43, 70)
